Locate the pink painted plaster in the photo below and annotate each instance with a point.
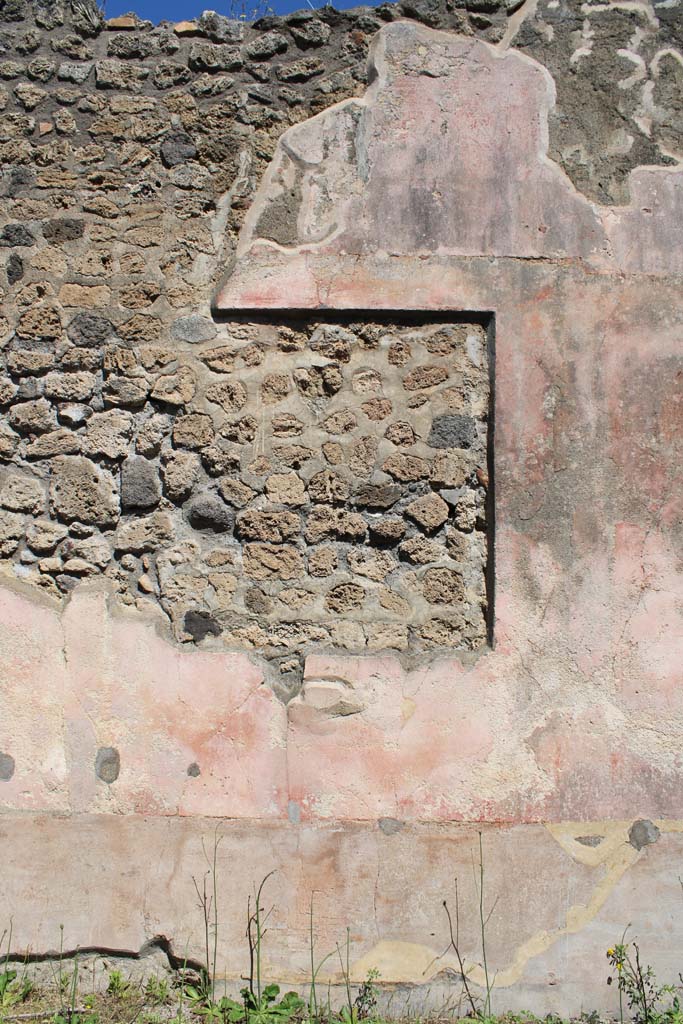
(107, 678)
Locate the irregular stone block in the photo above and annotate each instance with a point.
(80, 490)
(430, 512)
(452, 432)
(140, 483)
(22, 493)
(145, 534)
(279, 561)
(178, 148)
(114, 74)
(209, 512)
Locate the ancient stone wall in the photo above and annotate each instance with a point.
(340, 479)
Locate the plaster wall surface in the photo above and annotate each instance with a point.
(366, 778)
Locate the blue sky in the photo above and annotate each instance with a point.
(177, 10)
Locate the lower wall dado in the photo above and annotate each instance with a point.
(560, 895)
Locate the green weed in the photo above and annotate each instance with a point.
(13, 990)
(157, 990)
(265, 1009)
(117, 985)
(648, 1002)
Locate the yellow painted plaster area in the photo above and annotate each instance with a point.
(413, 963)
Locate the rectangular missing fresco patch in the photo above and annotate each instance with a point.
(359, 485)
(276, 487)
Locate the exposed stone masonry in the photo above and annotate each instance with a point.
(277, 486)
(130, 153)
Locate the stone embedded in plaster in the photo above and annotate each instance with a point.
(7, 766)
(643, 833)
(200, 625)
(107, 764)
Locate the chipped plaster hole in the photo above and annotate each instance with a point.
(390, 826)
(293, 812)
(590, 840)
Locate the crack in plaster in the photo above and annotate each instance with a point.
(157, 944)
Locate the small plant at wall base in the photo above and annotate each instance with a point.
(207, 896)
(117, 985)
(260, 1004)
(648, 1002)
(13, 990)
(363, 1007)
(69, 1013)
(484, 1012)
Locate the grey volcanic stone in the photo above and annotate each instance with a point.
(453, 431)
(63, 229)
(193, 329)
(208, 512)
(89, 329)
(377, 495)
(15, 269)
(643, 832)
(129, 47)
(220, 29)
(211, 58)
(6, 767)
(16, 234)
(200, 625)
(266, 46)
(310, 33)
(20, 180)
(390, 826)
(107, 764)
(140, 484)
(177, 149)
(169, 73)
(76, 73)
